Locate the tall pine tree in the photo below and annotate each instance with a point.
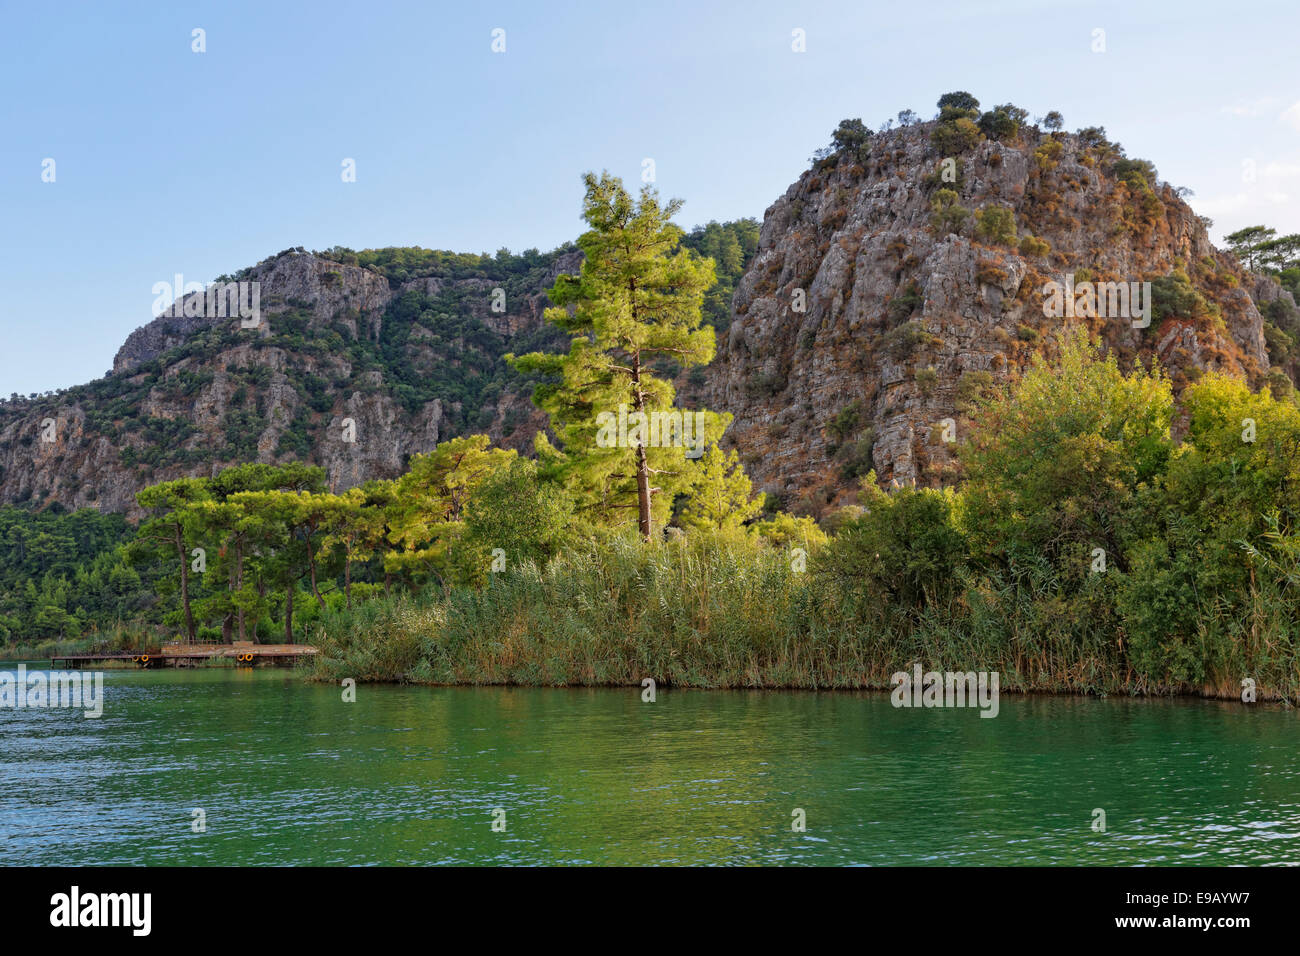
(637, 300)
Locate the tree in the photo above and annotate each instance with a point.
(720, 493)
(952, 137)
(240, 533)
(1053, 121)
(1053, 467)
(947, 215)
(1280, 254)
(425, 513)
(1003, 122)
(170, 526)
(638, 297)
(1245, 243)
(852, 137)
(959, 100)
(355, 525)
(515, 511)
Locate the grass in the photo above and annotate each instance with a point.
(712, 611)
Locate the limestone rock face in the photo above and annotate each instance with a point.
(329, 288)
(863, 329)
(211, 393)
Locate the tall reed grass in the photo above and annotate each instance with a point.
(715, 611)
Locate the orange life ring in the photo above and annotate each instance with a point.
(144, 658)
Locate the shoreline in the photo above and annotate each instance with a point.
(307, 673)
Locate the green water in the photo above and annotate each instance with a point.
(288, 773)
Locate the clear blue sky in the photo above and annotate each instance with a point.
(171, 161)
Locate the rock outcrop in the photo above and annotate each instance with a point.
(318, 379)
(867, 324)
(892, 287)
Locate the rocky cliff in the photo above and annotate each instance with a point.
(885, 297)
(347, 367)
(896, 282)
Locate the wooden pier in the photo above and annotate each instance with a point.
(180, 654)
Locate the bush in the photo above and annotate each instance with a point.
(997, 225)
(905, 548)
(954, 137)
(1002, 123)
(959, 100)
(852, 138)
(1029, 246)
(947, 216)
(1047, 154)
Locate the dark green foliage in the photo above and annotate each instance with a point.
(1174, 296)
(959, 100)
(64, 575)
(852, 138)
(731, 246)
(904, 549)
(1003, 123)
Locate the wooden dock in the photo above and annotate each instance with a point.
(180, 654)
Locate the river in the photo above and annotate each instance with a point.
(287, 772)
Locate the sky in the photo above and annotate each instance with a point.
(167, 160)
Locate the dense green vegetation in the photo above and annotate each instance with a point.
(1088, 551)
(731, 246)
(65, 575)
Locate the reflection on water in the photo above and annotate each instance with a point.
(286, 772)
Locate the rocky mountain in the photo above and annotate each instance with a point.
(351, 365)
(903, 275)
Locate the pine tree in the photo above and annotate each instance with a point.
(720, 493)
(637, 300)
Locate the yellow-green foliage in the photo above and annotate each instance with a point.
(1031, 246)
(720, 493)
(995, 224)
(1047, 155)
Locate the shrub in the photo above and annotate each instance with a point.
(1029, 246)
(1002, 123)
(905, 303)
(1047, 154)
(947, 216)
(904, 549)
(954, 137)
(995, 224)
(853, 138)
(905, 339)
(959, 100)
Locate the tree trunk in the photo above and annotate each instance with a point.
(642, 465)
(228, 621)
(239, 586)
(311, 563)
(185, 583)
(288, 614)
